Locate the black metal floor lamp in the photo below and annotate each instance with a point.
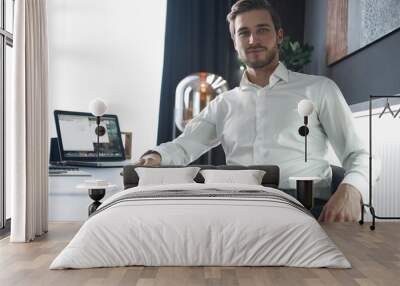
(369, 205)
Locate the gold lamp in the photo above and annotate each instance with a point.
(194, 93)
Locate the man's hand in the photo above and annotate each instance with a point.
(152, 159)
(343, 206)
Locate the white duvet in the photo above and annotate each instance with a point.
(200, 231)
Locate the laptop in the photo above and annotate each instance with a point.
(77, 140)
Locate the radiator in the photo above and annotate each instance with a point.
(385, 145)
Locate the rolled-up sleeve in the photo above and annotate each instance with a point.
(338, 123)
(199, 136)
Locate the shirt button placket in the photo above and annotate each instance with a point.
(258, 136)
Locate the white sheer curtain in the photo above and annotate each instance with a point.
(28, 120)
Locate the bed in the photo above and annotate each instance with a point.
(198, 224)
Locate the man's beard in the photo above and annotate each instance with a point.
(270, 56)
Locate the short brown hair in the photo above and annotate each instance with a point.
(248, 5)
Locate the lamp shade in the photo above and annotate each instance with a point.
(305, 107)
(194, 93)
(97, 107)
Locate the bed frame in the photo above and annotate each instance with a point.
(270, 179)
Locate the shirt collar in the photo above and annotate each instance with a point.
(280, 73)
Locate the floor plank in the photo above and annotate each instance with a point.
(374, 255)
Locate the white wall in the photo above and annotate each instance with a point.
(108, 49)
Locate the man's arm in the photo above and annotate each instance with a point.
(199, 136)
(344, 205)
(338, 123)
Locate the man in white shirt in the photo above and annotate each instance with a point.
(257, 122)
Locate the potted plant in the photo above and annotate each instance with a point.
(295, 55)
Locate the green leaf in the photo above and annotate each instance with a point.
(294, 55)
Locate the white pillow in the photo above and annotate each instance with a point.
(163, 176)
(248, 177)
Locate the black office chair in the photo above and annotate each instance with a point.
(337, 178)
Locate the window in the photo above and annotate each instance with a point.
(6, 44)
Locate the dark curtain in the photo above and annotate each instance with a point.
(197, 39)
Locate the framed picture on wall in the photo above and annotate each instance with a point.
(127, 142)
(354, 25)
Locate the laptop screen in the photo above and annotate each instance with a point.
(76, 132)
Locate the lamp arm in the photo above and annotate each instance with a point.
(98, 137)
(305, 138)
(305, 148)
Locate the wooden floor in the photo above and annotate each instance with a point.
(375, 256)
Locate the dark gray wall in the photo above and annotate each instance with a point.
(314, 34)
(292, 17)
(373, 70)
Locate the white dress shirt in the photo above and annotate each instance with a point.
(259, 126)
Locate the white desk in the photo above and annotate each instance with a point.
(67, 203)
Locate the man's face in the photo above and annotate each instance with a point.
(256, 40)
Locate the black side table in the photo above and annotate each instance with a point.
(304, 190)
(96, 193)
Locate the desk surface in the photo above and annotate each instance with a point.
(68, 203)
(68, 173)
